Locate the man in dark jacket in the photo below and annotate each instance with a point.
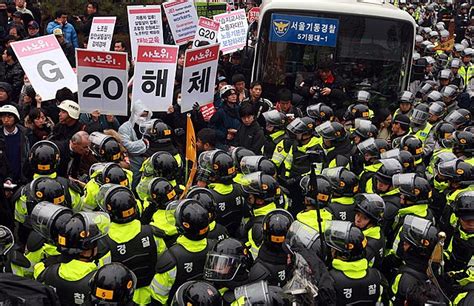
(258, 103)
(69, 123)
(67, 47)
(250, 134)
(226, 121)
(16, 143)
(85, 23)
(324, 87)
(12, 73)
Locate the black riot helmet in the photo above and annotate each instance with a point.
(407, 160)
(218, 164)
(197, 293)
(437, 108)
(344, 182)
(250, 164)
(355, 111)
(192, 219)
(82, 232)
(6, 240)
(47, 218)
(464, 205)
(320, 112)
(260, 293)
(262, 186)
(49, 190)
(157, 131)
(228, 259)
(320, 194)
(112, 284)
(407, 97)
(443, 134)
(104, 147)
(463, 143)
(413, 145)
(373, 147)
(114, 174)
(303, 126)
(161, 192)
(333, 131)
(421, 234)
(275, 227)
(346, 239)
(389, 168)
(371, 205)
(206, 198)
(119, 202)
(302, 236)
(420, 114)
(238, 153)
(364, 129)
(275, 118)
(44, 157)
(433, 96)
(456, 170)
(413, 187)
(460, 118)
(165, 165)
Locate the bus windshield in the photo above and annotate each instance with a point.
(368, 50)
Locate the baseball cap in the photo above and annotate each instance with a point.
(71, 107)
(58, 32)
(10, 109)
(17, 14)
(33, 24)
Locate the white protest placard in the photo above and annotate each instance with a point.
(155, 70)
(182, 18)
(102, 81)
(253, 14)
(47, 67)
(144, 25)
(232, 30)
(207, 31)
(102, 31)
(199, 76)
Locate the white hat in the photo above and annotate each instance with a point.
(10, 109)
(70, 107)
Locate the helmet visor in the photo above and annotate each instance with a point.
(449, 168)
(393, 153)
(102, 195)
(43, 217)
(367, 146)
(392, 165)
(436, 109)
(251, 182)
(403, 180)
(221, 267)
(249, 164)
(419, 116)
(170, 212)
(97, 139)
(97, 224)
(97, 167)
(324, 129)
(336, 232)
(301, 235)
(256, 293)
(144, 186)
(362, 124)
(333, 174)
(147, 127)
(205, 160)
(414, 227)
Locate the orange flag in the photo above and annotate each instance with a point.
(190, 141)
(445, 46)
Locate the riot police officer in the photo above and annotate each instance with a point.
(274, 131)
(128, 241)
(344, 186)
(336, 144)
(185, 259)
(105, 148)
(271, 263)
(196, 293)
(354, 281)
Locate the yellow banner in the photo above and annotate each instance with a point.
(190, 141)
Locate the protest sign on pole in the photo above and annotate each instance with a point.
(232, 30)
(102, 81)
(182, 18)
(199, 76)
(155, 70)
(145, 26)
(253, 14)
(207, 31)
(209, 9)
(102, 31)
(45, 64)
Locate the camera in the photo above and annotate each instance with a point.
(317, 92)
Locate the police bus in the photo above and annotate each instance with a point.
(370, 42)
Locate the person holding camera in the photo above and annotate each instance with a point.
(324, 87)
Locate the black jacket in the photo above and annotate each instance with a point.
(250, 137)
(13, 75)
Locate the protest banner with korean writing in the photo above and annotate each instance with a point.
(102, 81)
(155, 71)
(199, 76)
(145, 26)
(207, 31)
(45, 64)
(253, 14)
(304, 30)
(182, 18)
(232, 30)
(208, 111)
(102, 31)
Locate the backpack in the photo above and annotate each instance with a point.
(16, 290)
